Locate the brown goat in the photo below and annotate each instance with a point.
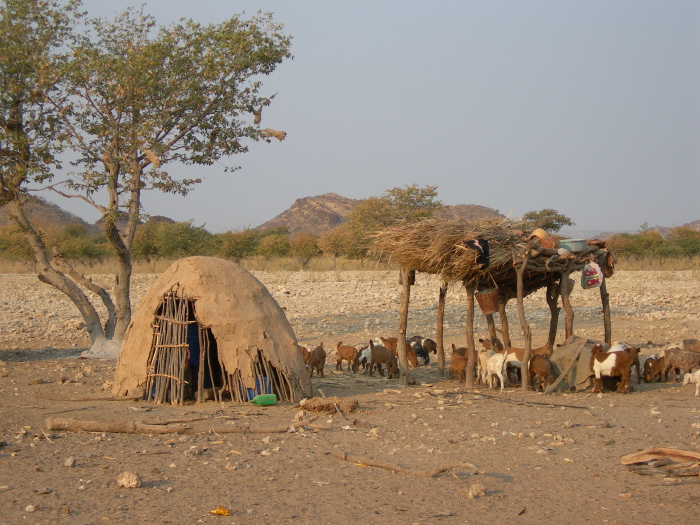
(653, 368)
(691, 345)
(682, 359)
(542, 371)
(317, 360)
(458, 366)
(612, 364)
(345, 353)
(383, 356)
(392, 342)
(304, 353)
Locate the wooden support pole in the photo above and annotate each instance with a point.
(525, 363)
(471, 348)
(492, 329)
(565, 290)
(505, 330)
(605, 298)
(553, 301)
(406, 279)
(439, 329)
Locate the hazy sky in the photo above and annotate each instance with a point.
(588, 107)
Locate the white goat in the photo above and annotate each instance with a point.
(496, 366)
(693, 378)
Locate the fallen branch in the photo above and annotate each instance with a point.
(364, 462)
(140, 427)
(78, 399)
(533, 403)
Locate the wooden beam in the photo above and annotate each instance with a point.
(471, 348)
(439, 329)
(525, 363)
(605, 298)
(565, 291)
(553, 301)
(505, 330)
(406, 277)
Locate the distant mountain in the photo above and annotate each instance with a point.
(313, 214)
(44, 214)
(469, 212)
(324, 212)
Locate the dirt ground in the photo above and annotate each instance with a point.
(522, 457)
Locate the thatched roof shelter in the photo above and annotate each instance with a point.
(437, 246)
(207, 323)
(517, 262)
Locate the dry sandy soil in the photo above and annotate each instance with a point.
(535, 458)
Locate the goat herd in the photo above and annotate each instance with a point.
(498, 365)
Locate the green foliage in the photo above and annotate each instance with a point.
(548, 219)
(304, 247)
(32, 36)
(649, 244)
(274, 245)
(238, 245)
(13, 245)
(409, 204)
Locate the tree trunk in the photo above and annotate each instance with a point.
(46, 273)
(605, 298)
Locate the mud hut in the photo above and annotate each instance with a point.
(207, 327)
(496, 260)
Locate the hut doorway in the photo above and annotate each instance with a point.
(183, 363)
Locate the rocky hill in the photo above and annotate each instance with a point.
(324, 212)
(313, 214)
(44, 214)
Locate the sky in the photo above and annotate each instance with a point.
(588, 107)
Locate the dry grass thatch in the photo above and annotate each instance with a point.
(437, 246)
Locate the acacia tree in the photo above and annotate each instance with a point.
(32, 131)
(548, 219)
(409, 204)
(137, 98)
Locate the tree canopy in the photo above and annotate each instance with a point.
(128, 98)
(548, 219)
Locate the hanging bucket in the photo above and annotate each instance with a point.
(488, 300)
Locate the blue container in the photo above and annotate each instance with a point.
(265, 388)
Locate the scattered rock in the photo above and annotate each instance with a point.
(128, 480)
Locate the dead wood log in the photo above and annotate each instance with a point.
(140, 427)
(364, 462)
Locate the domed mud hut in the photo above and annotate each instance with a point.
(496, 260)
(209, 327)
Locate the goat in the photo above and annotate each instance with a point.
(429, 345)
(363, 358)
(653, 368)
(458, 366)
(462, 350)
(481, 364)
(420, 353)
(496, 367)
(392, 342)
(304, 353)
(317, 360)
(515, 355)
(693, 378)
(542, 370)
(682, 359)
(612, 364)
(383, 356)
(345, 353)
(691, 345)
(624, 347)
